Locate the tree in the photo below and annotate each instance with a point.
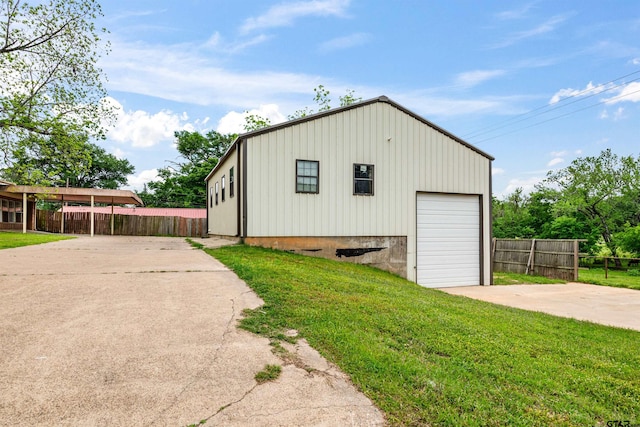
(43, 160)
(629, 239)
(105, 171)
(50, 83)
(324, 102)
(604, 189)
(349, 99)
(511, 218)
(254, 122)
(181, 184)
(322, 98)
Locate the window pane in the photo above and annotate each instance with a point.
(363, 187)
(362, 179)
(363, 171)
(307, 176)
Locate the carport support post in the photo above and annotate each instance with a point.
(92, 216)
(25, 213)
(62, 216)
(112, 225)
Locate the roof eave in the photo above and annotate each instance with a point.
(338, 110)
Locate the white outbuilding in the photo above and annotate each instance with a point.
(371, 183)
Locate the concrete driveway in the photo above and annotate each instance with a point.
(142, 331)
(599, 304)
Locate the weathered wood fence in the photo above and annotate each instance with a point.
(558, 259)
(127, 225)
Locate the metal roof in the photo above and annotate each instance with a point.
(71, 194)
(119, 210)
(337, 111)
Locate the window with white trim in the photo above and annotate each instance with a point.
(216, 193)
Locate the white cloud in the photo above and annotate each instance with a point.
(346, 42)
(216, 42)
(473, 78)
(558, 153)
(137, 182)
(285, 14)
(497, 171)
(630, 92)
(142, 129)
(555, 161)
(578, 152)
(527, 185)
(190, 74)
(428, 105)
(590, 89)
(516, 13)
(233, 122)
(120, 154)
(635, 61)
(548, 26)
(618, 114)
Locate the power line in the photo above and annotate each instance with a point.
(560, 116)
(577, 97)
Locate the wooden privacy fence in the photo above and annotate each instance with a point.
(558, 259)
(126, 225)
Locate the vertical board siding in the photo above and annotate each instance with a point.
(223, 218)
(551, 258)
(417, 158)
(409, 157)
(127, 225)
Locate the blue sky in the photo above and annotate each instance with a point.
(533, 83)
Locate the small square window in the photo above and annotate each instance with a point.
(362, 179)
(307, 172)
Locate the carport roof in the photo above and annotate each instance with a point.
(71, 194)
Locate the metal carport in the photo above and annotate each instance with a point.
(30, 194)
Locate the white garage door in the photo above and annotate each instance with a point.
(448, 240)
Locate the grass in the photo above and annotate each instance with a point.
(428, 358)
(269, 373)
(195, 245)
(10, 239)
(617, 278)
(518, 279)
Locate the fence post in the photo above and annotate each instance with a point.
(576, 260)
(606, 269)
(531, 257)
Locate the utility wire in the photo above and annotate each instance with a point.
(549, 108)
(560, 116)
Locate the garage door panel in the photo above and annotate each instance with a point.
(448, 240)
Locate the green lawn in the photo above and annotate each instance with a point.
(617, 278)
(9, 239)
(500, 278)
(429, 358)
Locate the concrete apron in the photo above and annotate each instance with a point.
(599, 304)
(142, 331)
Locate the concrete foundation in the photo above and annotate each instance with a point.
(384, 252)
